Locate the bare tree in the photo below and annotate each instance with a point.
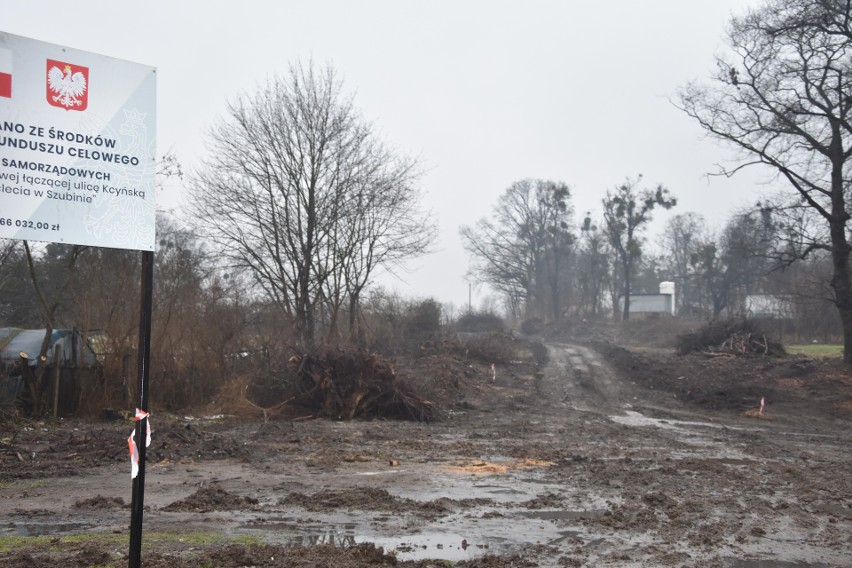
(593, 272)
(100, 303)
(382, 226)
(8, 252)
(782, 98)
(50, 302)
(684, 237)
(522, 251)
(13, 283)
(830, 17)
(627, 210)
(285, 167)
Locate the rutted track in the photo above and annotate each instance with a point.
(582, 380)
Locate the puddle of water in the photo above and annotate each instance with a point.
(382, 472)
(574, 537)
(561, 515)
(445, 546)
(740, 563)
(689, 433)
(500, 490)
(45, 529)
(420, 546)
(633, 418)
(490, 536)
(475, 488)
(288, 532)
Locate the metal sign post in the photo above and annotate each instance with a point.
(145, 310)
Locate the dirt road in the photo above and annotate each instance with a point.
(584, 464)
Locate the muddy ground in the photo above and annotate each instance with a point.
(613, 453)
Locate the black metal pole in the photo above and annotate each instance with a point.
(145, 309)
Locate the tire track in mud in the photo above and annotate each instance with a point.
(577, 377)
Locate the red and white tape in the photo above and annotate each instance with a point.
(131, 442)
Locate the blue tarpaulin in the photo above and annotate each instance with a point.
(14, 341)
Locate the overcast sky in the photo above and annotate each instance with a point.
(484, 92)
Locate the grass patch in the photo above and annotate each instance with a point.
(149, 540)
(24, 486)
(52, 543)
(816, 350)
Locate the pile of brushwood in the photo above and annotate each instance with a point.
(348, 384)
(740, 337)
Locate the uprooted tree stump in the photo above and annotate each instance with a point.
(356, 384)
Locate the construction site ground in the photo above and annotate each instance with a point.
(585, 450)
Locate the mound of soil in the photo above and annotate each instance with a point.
(212, 498)
(101, 502)
(364, 498)
(820, 387)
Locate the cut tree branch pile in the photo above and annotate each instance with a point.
(356, 384)
(737, 337)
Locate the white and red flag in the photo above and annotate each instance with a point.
(5, 72)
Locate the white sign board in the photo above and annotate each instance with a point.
(77, 155)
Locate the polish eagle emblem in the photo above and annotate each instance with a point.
(67, 85)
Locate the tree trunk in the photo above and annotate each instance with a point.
(555, 298)
(840, 280)
(626, 313)
(353, 318)
(38, 378)
(305, 313)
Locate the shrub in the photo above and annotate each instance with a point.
(532, 326)
(491, 348)
(479, 321)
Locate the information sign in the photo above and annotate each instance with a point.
(77, 153)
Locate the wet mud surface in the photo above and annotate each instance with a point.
(604, 457)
